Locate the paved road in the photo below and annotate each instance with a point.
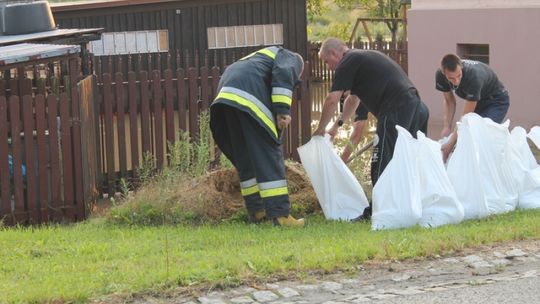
(506, 273)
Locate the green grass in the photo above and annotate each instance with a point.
(89, 260)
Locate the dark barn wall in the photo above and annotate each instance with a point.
(187, 30)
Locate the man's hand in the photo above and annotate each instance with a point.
(448, 146)
(283, 121)
(446, 149)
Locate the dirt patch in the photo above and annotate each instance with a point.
(216, 196)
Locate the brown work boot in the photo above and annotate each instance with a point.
(288, 221)
(257, 217)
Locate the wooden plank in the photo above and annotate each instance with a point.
(41, 86)
(121, 123)
(67, 157)
(25, 87)
(16, 152)
(158, 119)
(89, 143)
(42, 152)
(75, 118)
(145, 112)
(109, 133)
(215, 83)
(74, 101)
(169, 106)
(32, 204)
(193, 103)
(133, 125)
(54, 143)
(5, 190)
(205, 90)
(181, 99)
(14, 87)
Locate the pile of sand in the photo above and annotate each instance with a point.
(216, 195)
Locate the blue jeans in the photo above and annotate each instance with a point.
(494, 107)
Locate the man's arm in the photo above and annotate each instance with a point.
(349, 108)
(356, 136)
(329, 107)
(446, 148)
(449, 112)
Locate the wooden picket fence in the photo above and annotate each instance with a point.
(142, 112)
(70, 141)
(44, 170)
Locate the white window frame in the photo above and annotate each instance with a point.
(218, 37)
(131, 42)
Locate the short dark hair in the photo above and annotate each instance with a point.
(450, 62)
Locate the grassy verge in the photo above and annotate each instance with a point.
(90, 260)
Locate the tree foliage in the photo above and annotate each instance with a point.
(373, 8)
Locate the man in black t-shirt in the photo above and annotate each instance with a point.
(382, 86)
(475, 82)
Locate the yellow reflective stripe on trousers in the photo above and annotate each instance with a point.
(273, 188)
(247, 103)
(250, 190)
(282, 99)
(274, 192)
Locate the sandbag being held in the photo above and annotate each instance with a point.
(337, 189)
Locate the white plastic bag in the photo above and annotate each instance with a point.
(534, 135)
(396, 196)
(338, 191)
(495, 163)
(440, 205)
(526, 172)
(464, 174)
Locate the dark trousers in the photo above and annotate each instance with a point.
(412, 115)
(494, 107)
(254, 154)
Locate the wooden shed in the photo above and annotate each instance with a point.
(203, 26)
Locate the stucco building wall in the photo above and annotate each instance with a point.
(511, 28)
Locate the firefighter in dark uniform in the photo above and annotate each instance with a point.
(247, 118)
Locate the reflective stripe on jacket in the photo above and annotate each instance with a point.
(262, 84)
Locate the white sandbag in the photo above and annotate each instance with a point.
(492, 142)
(534, 135)
(464, 174)
(337, 189)
(530, 199)
(440, 205)
(396, 196)
(525, 170)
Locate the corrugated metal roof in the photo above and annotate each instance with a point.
(11, 39)
(25, 52)
(99, 4)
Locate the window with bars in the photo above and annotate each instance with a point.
(478, 52)
(245, 35)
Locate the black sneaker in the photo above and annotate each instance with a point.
(364, 217)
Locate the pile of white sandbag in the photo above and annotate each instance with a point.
(491, 171)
